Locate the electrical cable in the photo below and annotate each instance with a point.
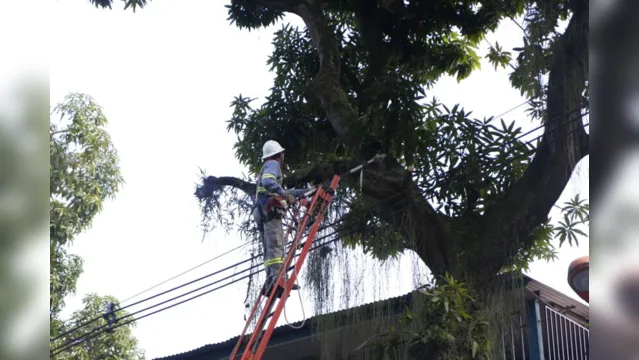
(186, 271)
(244, 261)
(88, 337)
(155, 296)
(96, 332)
(321, 229)
(360, 228)
(513, 108)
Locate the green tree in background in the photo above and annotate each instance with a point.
(84, 173)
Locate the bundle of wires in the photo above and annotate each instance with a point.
(320, 242)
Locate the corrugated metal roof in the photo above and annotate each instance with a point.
(546, 294)
(281, 330)
(559, 301)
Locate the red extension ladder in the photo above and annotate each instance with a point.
(256, 345)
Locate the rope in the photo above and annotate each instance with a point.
(299, 294)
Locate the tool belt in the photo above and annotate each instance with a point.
(275, 208)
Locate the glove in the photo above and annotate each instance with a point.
(290, 199)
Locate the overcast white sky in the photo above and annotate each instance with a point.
(165, 77)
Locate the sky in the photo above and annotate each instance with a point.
(165, 77)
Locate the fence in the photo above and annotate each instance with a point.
(514, 344)
(563, 338)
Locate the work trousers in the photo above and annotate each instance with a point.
(272, 236)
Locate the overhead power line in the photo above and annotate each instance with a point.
(97, 330)
(186, 272)
(321, 229)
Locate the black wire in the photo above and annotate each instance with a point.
(187, 271)
(319, 230)
(215, 273)
(359, 228)
(87, 336)
(212, 274)
(97, 333)
(248, 243)
(421, 193)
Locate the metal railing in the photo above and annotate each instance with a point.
(565, 339)
(514, 343)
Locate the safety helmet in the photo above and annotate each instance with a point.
(271, 148)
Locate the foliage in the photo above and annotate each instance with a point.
(390, 58)
(133, 4)
(446, 323)
(117, 343)
(83, 173)
(575, 214)
(464, 164)
(358, 80)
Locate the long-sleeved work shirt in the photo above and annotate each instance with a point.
(269, 183)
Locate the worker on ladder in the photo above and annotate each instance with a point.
(269, 211)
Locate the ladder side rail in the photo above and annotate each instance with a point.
(298, 265)
(269, 302)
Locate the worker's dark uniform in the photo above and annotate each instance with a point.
(269, 184)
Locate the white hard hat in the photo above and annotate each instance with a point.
(271, 148)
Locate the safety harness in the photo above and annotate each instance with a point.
(275, 206)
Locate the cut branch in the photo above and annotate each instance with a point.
(214, 184)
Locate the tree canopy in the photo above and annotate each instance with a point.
(356, 82)
(84, 172)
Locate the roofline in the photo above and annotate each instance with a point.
(283, 333)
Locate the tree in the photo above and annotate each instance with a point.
(118, 343)
(84, 172)
(466, 195)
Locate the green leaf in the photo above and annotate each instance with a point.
(579, 232)
(84, 172)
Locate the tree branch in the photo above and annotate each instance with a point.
(326, 85)
(320, 172)
(213, 184)
(430, 235)
(368, 22)
(527, 203)
(350, 77)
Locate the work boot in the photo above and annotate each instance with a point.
(268, 287)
